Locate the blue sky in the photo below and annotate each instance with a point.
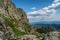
(40, 10)
(28, 4)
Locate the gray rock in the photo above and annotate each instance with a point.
(28, 37)
(2, 36)
(55, 35)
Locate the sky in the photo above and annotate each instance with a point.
(40, 10)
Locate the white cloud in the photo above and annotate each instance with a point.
(45, 13)
(44, 18)
(56, 1)
(33, 8)
(55, 5)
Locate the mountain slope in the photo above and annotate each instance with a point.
(13, 21)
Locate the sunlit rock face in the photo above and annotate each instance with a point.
(8, 9)
(12, 21)
(52, 36)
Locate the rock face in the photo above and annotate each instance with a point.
(28, 37)
(52, 36)
(13, 21)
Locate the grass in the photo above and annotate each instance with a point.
(10, 22)
(15, 30)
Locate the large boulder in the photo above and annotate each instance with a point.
(55, 35)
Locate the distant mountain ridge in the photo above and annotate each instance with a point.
(46, 22)
(54, 24)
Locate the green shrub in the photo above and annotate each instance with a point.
(45, 29)
(15, 30)
(38, 35)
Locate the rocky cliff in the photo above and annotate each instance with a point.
(55, 35)
(13, 21)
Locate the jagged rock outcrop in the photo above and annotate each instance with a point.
(18, 16)
(55, 35)
(13, 21)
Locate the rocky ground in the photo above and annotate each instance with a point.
(55, 35)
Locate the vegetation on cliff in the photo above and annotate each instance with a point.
(15, 22)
